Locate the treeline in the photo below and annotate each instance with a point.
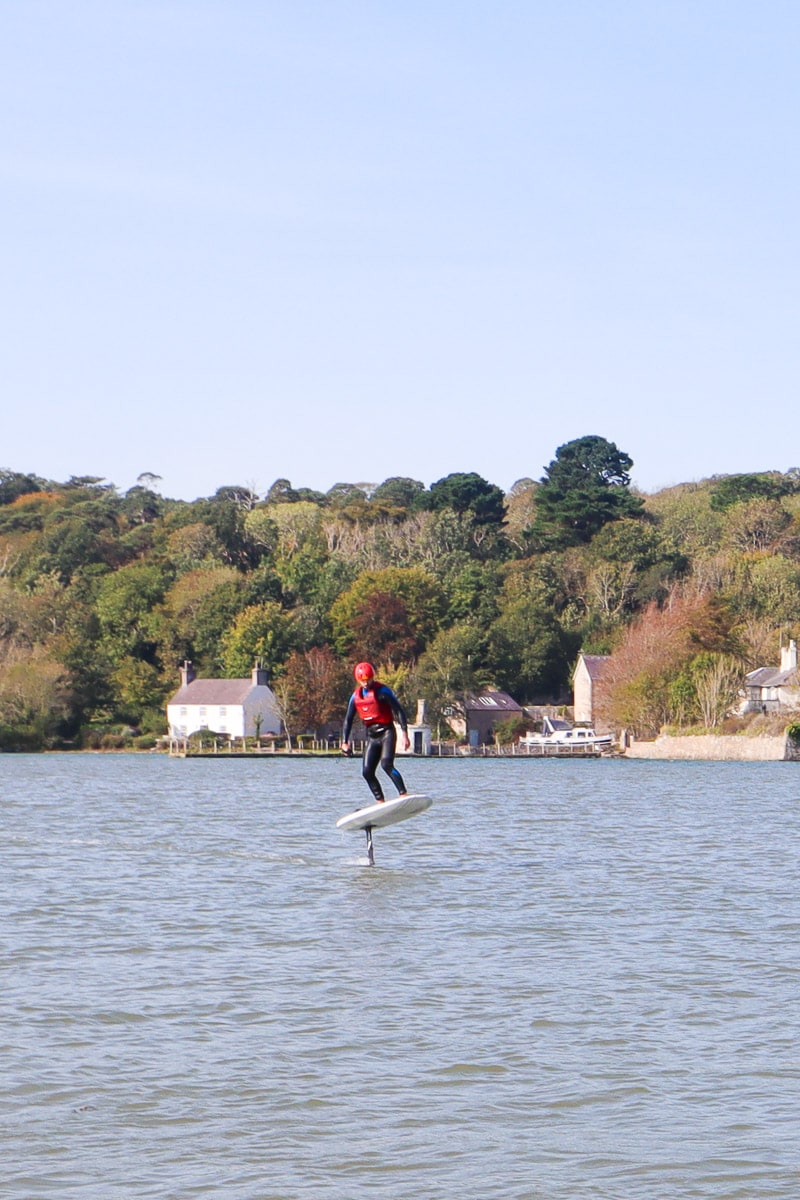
(446, 588)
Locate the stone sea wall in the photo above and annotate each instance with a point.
(745, 749)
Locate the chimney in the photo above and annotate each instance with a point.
(259, 674)
(187, 673)
(789, 656)
(422, 713)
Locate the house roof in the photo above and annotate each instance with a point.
(594, 664)
(215, 691)
(491, 702)
(771, 677)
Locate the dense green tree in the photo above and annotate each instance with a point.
(28, 512)
(225, 513)
(281, 492)
(14, 484)
(312, 496)
(262, 631)
(584, 487)
(342, 494)
(685, 519)
(734, 489)
(141, 505)
(399, 491)
(243, 497)
(68, 544)
(124, 606)
(765, 586)
(627, 564)
(530, 652)
(448, 671)
(196, 611)
(104, 594)
(472, 592)
(468, 492)
(137, 687)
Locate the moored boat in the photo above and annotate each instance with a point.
(560, 733)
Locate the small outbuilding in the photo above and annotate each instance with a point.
(419, 732)
(585, 679)
(480, 714)
(230, 707)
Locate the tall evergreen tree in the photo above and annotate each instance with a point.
(584, 487)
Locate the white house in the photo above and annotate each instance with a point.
(768, 689)
(585, 679)
(236, 707)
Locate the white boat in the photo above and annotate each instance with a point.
(560, 733)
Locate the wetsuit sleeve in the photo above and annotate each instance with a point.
(348, 721)
(386, 693)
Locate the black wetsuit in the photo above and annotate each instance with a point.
(380, 743)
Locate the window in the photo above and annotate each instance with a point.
(184, 711)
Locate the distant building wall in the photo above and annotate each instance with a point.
(715, 748)
(584, 682)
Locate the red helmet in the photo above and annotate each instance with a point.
(364, 672)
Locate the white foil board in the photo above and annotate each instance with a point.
(388, 813)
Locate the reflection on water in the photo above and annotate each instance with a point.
(566, 980)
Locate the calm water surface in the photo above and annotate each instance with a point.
(566, 980)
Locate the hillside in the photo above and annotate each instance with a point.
(446, 588)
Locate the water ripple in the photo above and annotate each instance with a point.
(567, 980)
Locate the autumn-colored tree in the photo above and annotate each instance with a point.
(717, 680)
(636, 687)
(757, 524)
(194, 545)
(34, 692)
(520, 512)
(417, 590)
(316, 688)
(380, 630)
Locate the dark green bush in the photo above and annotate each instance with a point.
(146, 742)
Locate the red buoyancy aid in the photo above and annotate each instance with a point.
(372, 709)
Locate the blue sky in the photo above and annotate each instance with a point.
(346, 240)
